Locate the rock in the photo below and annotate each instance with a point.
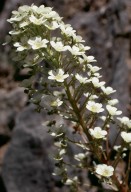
(3, 150)
(11, 103)
(2, 186)
(27, 166)
(4, 139)
(100, 29)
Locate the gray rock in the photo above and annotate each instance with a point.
(101, 30)
(11, 103)
(104, 31)
(27, 166)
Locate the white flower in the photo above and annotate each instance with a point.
(86, 94)
(56, 103)
(53, 134)
(41, 10)
(16, 18)
(95, 75)
(81, 79)
(107, 90)
(56, 134)
(59, 75)
(126, 136)
(89, 59)
(93, 68)
(24, 23)
(14, 32)
(58, 144)
(83, 48)
(49, 101)
(96, 82)
(124, 155)
(62, 152)
(94, 107)
(52, 26)
(37, 21)
(103, 118)
(104, 170)
(125, 121)
(75, 50)
(38, 43)
(67, 29)
(125, 149)
(58, 46)
(117, 147)
(98, 133)
(80, 156)
(113, 101)
(77, 38)
(113, 110)
(92, 97)
(69, 182)
(22, 9)
(53, 15)
(34, 8)
(19, 46)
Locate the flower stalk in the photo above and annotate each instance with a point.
(70, 90)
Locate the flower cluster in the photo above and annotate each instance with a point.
(70, 87)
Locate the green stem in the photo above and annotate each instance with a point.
(81, 121)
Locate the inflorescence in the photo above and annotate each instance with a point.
(72, 90)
